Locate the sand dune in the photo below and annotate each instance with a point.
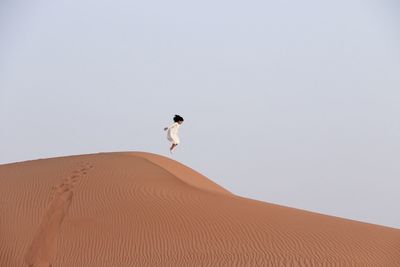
(140, 209)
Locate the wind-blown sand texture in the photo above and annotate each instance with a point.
(140, 209)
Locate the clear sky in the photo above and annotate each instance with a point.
(290, 102)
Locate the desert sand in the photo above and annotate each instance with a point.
(140, 209)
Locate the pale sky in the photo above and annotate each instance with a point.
(290, 102)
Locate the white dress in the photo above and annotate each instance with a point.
(172, 133)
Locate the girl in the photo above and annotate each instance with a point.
(172, 133)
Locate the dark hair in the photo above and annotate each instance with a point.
(178, 118)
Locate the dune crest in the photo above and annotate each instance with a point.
(141, 209)
(183, 172)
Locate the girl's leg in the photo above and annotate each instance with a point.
(172, 147)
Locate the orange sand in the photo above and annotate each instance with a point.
(141, 209)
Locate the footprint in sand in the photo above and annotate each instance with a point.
(43, 248)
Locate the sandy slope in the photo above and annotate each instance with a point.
(140, 209)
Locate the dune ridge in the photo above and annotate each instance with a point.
(141, 209)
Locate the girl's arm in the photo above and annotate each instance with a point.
(172, 127)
